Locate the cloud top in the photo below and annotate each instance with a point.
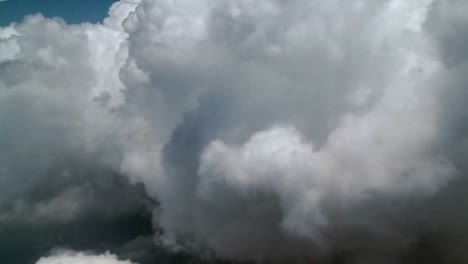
(71, 257)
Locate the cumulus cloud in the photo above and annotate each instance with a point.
(268, 130)
(71, 257)
(278, 161)
(59, 84)
(356, 83)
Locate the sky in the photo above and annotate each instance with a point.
(71, 11)
(241, 131)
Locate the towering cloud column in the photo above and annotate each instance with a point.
(268, 130)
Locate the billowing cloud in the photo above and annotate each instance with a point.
(268, 130)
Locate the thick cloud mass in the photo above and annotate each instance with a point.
(268, 130)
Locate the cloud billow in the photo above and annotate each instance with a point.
(268, 130)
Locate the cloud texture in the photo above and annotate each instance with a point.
(268, 130)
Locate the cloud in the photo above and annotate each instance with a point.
(279, 162)
(71, 257)
(278, 116)
(268, 130)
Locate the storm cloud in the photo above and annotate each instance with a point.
(263, 131)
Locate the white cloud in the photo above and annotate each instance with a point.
(299, 63)
(253, 122)
(70, 257)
